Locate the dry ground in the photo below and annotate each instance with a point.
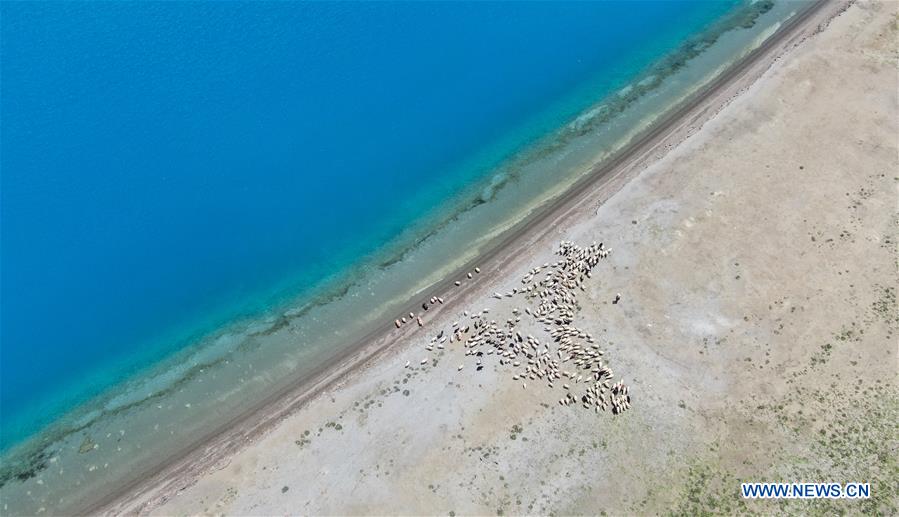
(758, 331)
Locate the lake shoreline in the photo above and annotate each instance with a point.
(211, 450)
(507, 186)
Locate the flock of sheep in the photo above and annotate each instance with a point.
(568, 359)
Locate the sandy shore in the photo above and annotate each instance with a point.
(755, 247)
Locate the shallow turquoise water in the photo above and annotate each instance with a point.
(169, 168)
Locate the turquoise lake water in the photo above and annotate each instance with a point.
(167, 168)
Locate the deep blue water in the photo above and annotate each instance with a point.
(165, 167)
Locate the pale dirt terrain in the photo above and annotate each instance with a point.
(757, 331)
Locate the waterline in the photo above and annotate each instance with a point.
(222, 371)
